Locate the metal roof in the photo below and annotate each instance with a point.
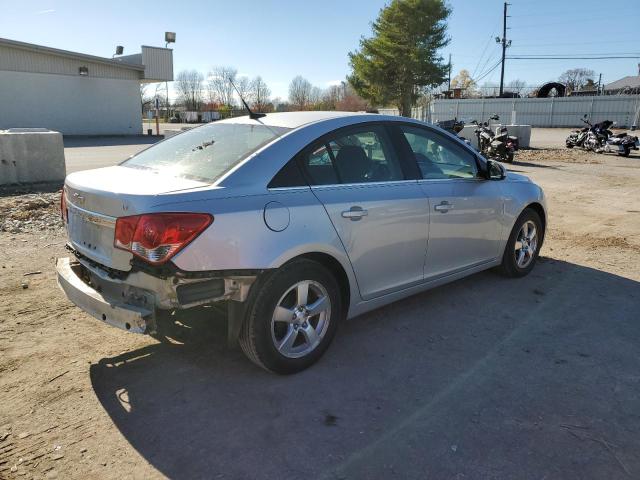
(631, 81)
(67, 54)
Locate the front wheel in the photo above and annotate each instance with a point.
(292, 317)
(523, 246)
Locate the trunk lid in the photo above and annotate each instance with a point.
(96, 198)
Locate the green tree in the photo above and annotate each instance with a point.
(402, 57)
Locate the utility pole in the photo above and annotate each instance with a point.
(599, 82)
(505, 43)
(449, 88)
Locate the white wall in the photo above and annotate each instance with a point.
(542, 112)
(72, 105)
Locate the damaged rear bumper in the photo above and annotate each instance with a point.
(131, 302)
(127, 317)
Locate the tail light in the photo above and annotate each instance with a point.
(63, 207)
(157, 237)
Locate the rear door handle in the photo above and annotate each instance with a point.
(355, 213)
(443, 207)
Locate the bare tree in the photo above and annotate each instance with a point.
(145, 97)
(332, 96)
(189, 87)
(243, 84)
(219, 88)
(260, 94)
(576, 78)
(300, 92)
(516, 86)
(350, 100)
(315, 98)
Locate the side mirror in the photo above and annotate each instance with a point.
(495, 170)
(584, 116)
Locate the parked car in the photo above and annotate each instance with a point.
(297, 220)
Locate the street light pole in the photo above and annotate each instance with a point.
(169, 37)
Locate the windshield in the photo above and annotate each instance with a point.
(205, 153)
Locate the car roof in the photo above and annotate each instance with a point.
(296, 119)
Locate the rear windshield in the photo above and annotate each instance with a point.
(205, 153)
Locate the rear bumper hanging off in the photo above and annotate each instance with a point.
(127, 317)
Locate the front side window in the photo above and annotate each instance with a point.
(357, 156)
(439, 157)
(205, 153)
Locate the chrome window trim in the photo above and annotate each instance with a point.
(363, 184)
(280, 189)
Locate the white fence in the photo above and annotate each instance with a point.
(541, 112)
(537, 112)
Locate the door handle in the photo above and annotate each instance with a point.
(443, 207)
(355, 213)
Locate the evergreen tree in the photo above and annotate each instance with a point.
(402, 57)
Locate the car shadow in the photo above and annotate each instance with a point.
(486, 377)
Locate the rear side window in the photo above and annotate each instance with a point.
(356, 156)
(205, 153)
(289, 176)
(439, 157)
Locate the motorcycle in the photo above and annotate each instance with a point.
(600, 139)
(622, 144)
(452, 126)
(577, 137)
(500, 147)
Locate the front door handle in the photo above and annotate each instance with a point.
(355, 213)
(443, 207)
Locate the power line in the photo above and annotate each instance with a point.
(482, 54)
(488, 71)
(573, 58)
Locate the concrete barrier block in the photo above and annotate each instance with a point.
(523, 132)
(29, 155)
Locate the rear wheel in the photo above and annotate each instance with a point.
(626, 152)
(292, 317)
(509, 157)
(523, 246)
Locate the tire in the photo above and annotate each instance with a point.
(570, 145)
(509, 157)
(261, 334)
(511, 266)
(626, 153)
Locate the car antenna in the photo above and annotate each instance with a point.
(252, 115)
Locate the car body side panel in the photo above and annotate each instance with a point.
(240, 239)
(518, 192)
(468, 234)
(386, 246)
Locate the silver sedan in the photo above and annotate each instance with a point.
(296, 221)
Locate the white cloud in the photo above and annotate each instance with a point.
(43, 12)
(333, 83)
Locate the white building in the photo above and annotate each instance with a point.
(74, 93)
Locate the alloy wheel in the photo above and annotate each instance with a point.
(301, 319)
(526, 244)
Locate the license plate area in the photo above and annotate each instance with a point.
(92, 235)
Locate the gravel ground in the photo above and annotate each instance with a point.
(36, 213)
(484, 378)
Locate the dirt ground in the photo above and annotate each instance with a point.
(480, 379)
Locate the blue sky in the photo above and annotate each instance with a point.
(281, 39)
